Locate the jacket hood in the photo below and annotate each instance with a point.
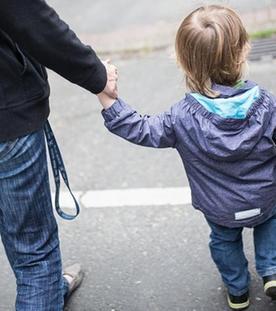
(229, 127)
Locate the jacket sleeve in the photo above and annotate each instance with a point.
(150, 131)
(39, 31)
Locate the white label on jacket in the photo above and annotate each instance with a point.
(247, 214)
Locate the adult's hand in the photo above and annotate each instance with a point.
(112, 77)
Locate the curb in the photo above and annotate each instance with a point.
(142, 39)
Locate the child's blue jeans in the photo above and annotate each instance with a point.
(226, 247)
(27, 225)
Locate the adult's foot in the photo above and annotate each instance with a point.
(74, 276)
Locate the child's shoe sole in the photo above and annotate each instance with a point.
(270, 289)
(235, 304)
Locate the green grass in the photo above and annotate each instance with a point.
(262, 34)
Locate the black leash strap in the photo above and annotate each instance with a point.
(58, 169)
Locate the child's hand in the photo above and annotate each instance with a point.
(105, 100)
(110, 93)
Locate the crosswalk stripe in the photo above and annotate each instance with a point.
(128, 197)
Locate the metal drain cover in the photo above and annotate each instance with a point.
(263, 48)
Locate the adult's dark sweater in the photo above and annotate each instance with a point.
(32, 37)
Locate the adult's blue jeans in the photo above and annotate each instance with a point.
(226, 246)
(27, 225)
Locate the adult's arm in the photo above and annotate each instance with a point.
(38, 30)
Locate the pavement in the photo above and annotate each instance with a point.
(143, 258)
(126, 27)
(136, 258)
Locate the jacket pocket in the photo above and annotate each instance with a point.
(44, 73)
(35, 66)
(22, 59)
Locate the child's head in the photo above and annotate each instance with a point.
(212, 46)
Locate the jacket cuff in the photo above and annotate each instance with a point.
(115, 110)
(97, 80)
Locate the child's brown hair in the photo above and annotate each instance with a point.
(211, 46)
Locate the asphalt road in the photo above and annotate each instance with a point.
(144, 258)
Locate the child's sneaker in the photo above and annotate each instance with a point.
(270, 286)
(238, 302)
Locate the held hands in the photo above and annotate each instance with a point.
(110, 93)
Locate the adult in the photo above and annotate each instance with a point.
(33, 36)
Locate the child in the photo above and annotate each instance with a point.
(224, 131)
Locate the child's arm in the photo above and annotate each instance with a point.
(151, 131)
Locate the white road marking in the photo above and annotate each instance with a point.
(128, 197)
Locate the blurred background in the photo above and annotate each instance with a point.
(148, 256)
